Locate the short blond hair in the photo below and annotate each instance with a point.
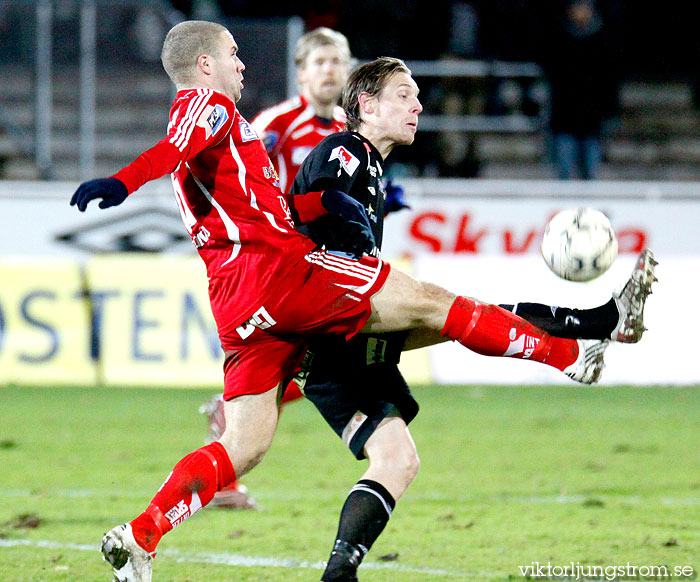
(320, 37)
(184, 44)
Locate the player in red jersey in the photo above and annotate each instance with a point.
(269, 287)
(291, 129)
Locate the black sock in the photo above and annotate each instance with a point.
(595, 323)
(365, 514)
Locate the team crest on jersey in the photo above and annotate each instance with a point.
(217, 118)
(348, 162)
(247, 131)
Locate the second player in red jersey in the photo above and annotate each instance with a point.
(291, 129)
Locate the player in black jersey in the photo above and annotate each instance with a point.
(356, 385)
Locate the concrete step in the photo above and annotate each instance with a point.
(125, 118)
(516, 171)
(676, 150)
(618, 149)
(22, 168)
(655, 95)
(679, 123)
(510, 147)
(114, 146)
(609, 171)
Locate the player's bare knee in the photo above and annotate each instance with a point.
(252, 462)
(402, 462)
(406, 465)
(411, 465)
(244, 456)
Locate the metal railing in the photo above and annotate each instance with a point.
(94, 53)
(489, 72)
(44, 18)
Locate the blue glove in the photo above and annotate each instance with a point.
(340, 204)
(338, 234)
(394, 200)
(112, 191)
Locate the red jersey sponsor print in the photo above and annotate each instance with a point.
(290, 131)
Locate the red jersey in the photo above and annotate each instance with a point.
(228, 195)
(290, 131)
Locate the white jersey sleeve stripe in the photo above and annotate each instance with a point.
(192, 122)
(183, 121)
(189, 121)
(267, 116)
(305, 115)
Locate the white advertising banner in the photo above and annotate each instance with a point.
(448, 217)
(475, 237)
(44, 224)
(666, 354)
(465, 218)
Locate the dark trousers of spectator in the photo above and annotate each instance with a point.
(576, 157)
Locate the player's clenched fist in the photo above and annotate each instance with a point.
(111, 190)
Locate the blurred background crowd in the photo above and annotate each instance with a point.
(569, 89)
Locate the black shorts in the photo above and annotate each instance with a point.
(355, 384)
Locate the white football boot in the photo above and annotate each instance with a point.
(630, 300)
(129, 561)
(589, 364)
(235, 496)
(213, 409)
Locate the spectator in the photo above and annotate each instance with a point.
(580, 66)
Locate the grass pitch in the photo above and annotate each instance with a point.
(510, 476)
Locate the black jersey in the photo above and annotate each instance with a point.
(347, 162)
(357, 378)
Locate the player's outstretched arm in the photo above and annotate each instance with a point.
(155, 162)
(312, 205)
(346, 224)
(111, 191)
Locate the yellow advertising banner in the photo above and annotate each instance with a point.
(128, 320)
(44, 324)
(152, 320)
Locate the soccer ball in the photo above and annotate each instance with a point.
(579, 244)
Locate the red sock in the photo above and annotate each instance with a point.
(492, 331)
(189, 487)
(292, 393)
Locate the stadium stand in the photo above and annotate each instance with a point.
(655, 136)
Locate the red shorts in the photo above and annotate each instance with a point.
(327, 293)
